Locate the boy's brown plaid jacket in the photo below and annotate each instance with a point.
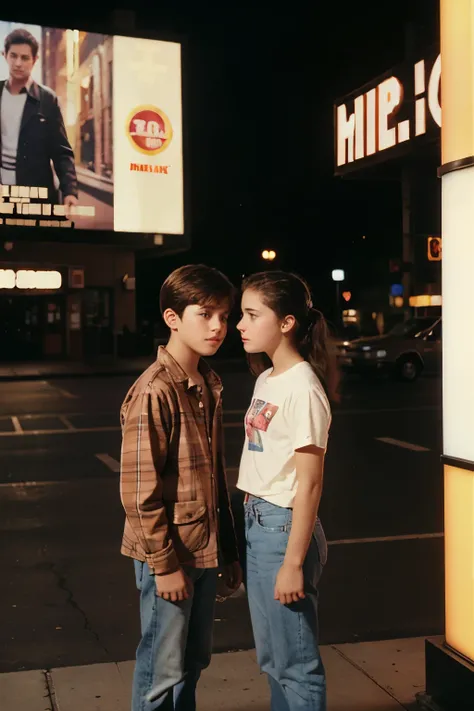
(172, 483)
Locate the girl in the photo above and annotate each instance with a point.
(281, 472)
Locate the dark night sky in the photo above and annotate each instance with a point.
(260, 86)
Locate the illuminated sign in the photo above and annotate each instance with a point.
(396, 290)
(435, 249)
(349, 316)
(426, 300)
(388, 114)
(30, 279)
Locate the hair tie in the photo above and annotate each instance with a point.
(312, 318)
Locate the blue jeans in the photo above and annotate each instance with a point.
(286, 636)
(176, 643)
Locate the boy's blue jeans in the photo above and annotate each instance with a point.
(286, 636)
(176, 643)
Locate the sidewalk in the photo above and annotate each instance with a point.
(369, 676)
(70, 369)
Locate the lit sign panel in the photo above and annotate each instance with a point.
(389, 116)
(30, 279)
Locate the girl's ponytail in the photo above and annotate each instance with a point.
(318, 349)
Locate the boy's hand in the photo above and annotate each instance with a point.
(232, 575)
(174, 587)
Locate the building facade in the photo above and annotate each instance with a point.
(84, 313)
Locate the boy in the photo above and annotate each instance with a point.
(179, 526)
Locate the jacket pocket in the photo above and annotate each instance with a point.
(190, 527)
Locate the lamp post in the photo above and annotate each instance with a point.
(338, 277)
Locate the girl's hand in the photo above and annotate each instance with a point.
(289, 586)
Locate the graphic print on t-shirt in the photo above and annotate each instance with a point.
(258, 418)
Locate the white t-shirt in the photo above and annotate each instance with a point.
(11, 113)
(288, 412)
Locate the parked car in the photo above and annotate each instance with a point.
(406, 351)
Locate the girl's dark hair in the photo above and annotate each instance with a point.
(288, 294)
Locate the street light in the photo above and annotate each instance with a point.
(338, 276)
(269, 255)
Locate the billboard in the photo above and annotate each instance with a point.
(91, 131)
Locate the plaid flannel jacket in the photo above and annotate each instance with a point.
(172, 483)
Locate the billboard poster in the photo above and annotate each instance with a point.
(91, 131)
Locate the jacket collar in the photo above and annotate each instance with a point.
(31, 88)
(179, 376)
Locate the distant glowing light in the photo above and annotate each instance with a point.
(426, 300)
(30, 279)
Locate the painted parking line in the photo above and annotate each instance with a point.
(66, 422)
(240, 592)
(66, 393)
(386, 539)
(37, 433)
(365, 411)
(42, 415)
(71, 429)
(18, 429)
(61, 391)
(109, 462)
(402, 444)
(337, 542)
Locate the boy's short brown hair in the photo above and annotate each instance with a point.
(195, 284)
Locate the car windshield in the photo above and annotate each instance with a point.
(411, 328)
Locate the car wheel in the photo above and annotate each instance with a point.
(408, 368)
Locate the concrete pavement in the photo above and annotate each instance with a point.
(372, 676)
(69, 598)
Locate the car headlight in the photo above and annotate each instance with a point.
(381, 354)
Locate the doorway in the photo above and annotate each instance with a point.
(32, 327)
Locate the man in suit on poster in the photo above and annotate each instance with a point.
(33, 134)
